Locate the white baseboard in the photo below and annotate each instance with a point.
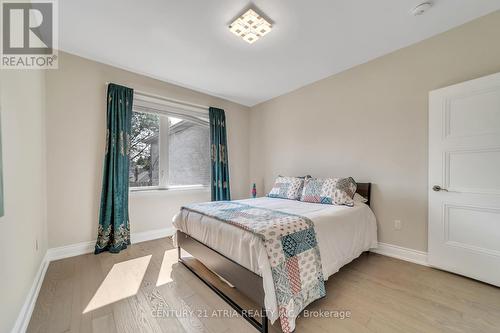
(67, 251)
(24, 316)
(88, 247)
(71, 250)
(403, 253)
(138, 237)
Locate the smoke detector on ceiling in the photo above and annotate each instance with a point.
(421, 9)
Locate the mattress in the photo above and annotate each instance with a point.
(343, 233)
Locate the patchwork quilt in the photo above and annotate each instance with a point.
(292, 249)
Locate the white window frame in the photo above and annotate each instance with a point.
(165, 107)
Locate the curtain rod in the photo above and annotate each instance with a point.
(204, 107)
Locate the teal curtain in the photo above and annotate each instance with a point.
(218, 146)
(114, 227)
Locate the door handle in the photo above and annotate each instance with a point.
(437, 188)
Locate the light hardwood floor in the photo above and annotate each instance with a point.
(144, 289)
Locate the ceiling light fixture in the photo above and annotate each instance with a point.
(250, 26)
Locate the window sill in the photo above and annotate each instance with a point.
(157, 189)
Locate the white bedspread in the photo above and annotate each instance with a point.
(343, 233)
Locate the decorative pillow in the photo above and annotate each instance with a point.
(287, 188)
(333, 191)
(304, 178)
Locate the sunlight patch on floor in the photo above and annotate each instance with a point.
(165, 275)
(122, 281)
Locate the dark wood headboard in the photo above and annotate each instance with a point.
(364, 189)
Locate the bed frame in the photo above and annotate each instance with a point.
(244, 280)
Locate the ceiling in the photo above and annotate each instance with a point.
(187, 42)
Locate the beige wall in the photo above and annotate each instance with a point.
(370, 122)
(24, 223)
(76, 120)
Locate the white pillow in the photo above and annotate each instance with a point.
(359, 198)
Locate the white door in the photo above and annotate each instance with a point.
(464, 179)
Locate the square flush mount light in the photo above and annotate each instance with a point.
(250, 26)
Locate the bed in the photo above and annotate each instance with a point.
(238, 256)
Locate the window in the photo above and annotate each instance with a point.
(169, 146)
(144, 150)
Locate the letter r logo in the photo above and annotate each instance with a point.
(27, 27)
